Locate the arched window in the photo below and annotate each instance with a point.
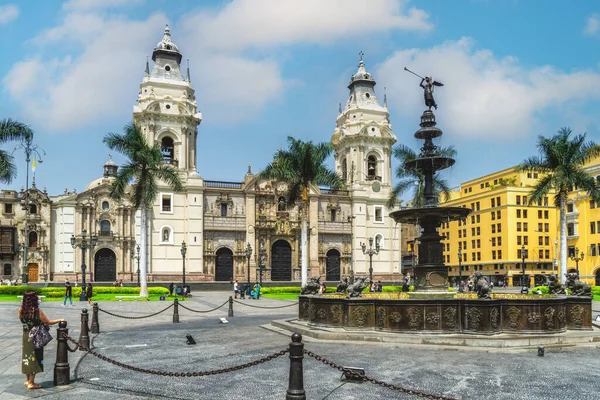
(32, 209)
(371, 167)
(105, 206)
(281, 204)
(33, 239)
(105, 228)
(168, 150)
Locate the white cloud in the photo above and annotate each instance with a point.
(483, 96)
(8, 13)
(100, 81)
(592, 25)
(248, 23)
(84, 5)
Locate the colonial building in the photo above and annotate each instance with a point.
(218, 220)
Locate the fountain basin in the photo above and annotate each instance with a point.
(503, 314)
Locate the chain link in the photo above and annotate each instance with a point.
(126, 317)
(265, 307)
(358, 375)
(182, 374)
(203, 311)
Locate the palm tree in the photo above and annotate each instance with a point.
(408, 178)
(145, 169)
(11, 130)
(300, 166)
(561, 165)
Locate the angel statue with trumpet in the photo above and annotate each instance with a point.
(427, 84)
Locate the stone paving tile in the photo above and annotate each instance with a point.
(156, 343)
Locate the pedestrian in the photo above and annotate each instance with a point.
(88, 293)
(236, 289)
(379, 286)
(68, 293)
(32, 360)
(171, 289)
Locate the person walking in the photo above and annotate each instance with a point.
(171, 289)
(236, 289)
(68, 293)
(32, 360)
(89, 292)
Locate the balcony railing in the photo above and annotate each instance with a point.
(336, 192)
(223, 184)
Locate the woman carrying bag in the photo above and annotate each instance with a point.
(32, 358)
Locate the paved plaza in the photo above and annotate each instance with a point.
(157, 344)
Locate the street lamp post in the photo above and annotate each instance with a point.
(577, 257)
(370, 252)
(137, 257)
(460, 288)
(523, 257)
(84, 245)
(260, 260)
(183, 251)
(25, 275)
(248, 255)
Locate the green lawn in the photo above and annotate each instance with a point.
(98, 298)
(281, 296)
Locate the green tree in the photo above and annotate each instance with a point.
(409, 179)
(11, 130)
(301, 165)
(144, 170)
(561, 165)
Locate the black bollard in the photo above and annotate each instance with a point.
(62, 370)
(230, 311)
(175, 311)
(84, 336)
(95, 323)
(296, 384)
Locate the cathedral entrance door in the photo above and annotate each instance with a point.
(105, 266)
(224, 265)
(33, 272)
(332, 266)
(281, 266)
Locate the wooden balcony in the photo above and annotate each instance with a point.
(213, 222)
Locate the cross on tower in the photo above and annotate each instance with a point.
(361, 54)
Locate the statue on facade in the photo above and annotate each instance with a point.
(427, 84)
(312, 286)
(554, 286)
(482, 286)
(577, 287)
(342, 286)
(357, 287)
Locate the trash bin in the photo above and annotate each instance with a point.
(179, 291)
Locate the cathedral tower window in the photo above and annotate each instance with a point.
(33, 239)
(371, 167)
(32, 209)
(105, 228)
(223, 209)
(166, 203)
(105, 206)
(168, 150)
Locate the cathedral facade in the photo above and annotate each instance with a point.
(218, 221)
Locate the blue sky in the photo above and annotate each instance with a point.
(266, 69)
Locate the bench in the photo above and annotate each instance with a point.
(39, 297)
(130, 297)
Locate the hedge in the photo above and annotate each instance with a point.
(543, 289)
(60, 291)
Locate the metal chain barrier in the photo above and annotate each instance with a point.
(265, 307)
(183, 374)
(126, 317)
(203, 311)
(359, 376)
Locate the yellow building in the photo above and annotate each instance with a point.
(583, 230)
(492, 237)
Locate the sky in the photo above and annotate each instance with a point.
(267, 69)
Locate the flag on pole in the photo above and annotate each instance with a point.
(33, 164)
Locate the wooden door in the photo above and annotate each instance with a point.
(33, 272)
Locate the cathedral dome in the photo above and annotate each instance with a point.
(166, 46)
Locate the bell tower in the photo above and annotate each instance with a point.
(167, 109)
(362, 142)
